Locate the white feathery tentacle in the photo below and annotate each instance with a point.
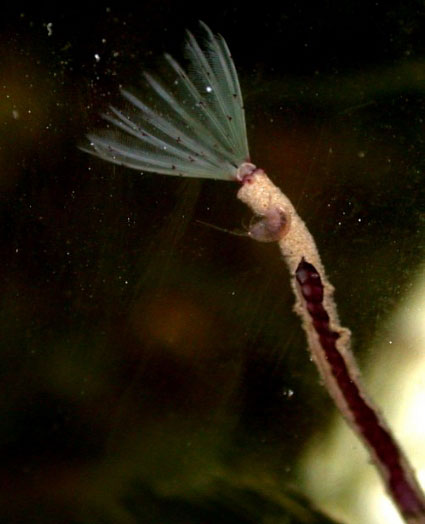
(195, 125)
(224, 67)
(204, 134)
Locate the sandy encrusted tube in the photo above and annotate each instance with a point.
(260, 194)
(329, 342)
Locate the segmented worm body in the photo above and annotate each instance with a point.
(371, 427)
(195, 127)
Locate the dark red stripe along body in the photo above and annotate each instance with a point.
(369, 425)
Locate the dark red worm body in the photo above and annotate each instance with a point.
(375, 434)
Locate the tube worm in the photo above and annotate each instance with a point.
(195, 126)
(329, 345)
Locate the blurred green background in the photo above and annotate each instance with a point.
(152, 368)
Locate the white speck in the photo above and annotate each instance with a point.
(390, 342)
(49, 29)
(97, 57)
(288, 392)
(359, 220)
(361, 154)
(208, 89)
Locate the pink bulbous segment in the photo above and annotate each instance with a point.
(245, 172)
(271, 227)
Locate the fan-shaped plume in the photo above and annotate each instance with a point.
(193, 125)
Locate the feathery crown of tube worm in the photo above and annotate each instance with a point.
(196, 127)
